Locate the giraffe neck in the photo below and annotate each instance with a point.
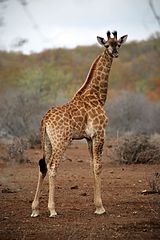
(96, 85)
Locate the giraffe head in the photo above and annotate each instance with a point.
(112, 44)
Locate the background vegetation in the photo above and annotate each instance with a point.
(30, 84)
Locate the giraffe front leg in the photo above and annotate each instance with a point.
(97, 168)
(90, 149)
(52, 171)
(97, 191)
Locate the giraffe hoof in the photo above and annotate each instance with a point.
(35, 213)
(100, 211)
(53, 214)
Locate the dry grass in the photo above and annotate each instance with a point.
(138, 149)
(16, 150)
(154, 182)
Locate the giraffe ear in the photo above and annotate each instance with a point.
(123, 39)
(101, 40)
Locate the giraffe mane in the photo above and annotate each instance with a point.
(89, 76)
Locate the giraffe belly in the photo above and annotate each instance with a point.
(79, 135)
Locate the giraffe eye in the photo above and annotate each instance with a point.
(107, 46)
(119, 45)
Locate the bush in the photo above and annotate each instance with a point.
(133, 112)
(137, 149)
(20, 115)
(16, 150)
(154, 182)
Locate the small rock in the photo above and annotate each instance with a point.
(65, 158)
(135, 212)
(5, 218)
(80, 161)
(83, 194)
(109, 146)
(74, 187)
(118, 177)
(8, 190)
(144, 192)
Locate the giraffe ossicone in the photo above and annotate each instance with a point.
(83, 117)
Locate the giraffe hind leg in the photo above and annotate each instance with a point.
(52, 166)
(42, 174)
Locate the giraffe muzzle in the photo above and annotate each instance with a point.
(115, 55)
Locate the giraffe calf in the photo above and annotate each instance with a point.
(83, 117)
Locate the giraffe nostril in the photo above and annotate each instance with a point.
(115, 54)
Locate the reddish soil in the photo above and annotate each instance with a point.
(130, 214)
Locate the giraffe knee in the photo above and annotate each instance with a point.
(52, 170)
(97, 168)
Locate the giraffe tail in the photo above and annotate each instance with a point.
(42, 162)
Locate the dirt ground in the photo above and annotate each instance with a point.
(130, 214)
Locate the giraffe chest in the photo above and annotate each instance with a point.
(96, 125)
(90, 130)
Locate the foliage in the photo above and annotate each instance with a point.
(154, 182)
(30, 84)
(133, 112)
(20, 114)
(16, 150)
(60, 72)
(137, 149)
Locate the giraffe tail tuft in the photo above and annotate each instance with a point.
(43, 166)
(42, 162)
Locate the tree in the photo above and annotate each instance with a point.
(157, 17)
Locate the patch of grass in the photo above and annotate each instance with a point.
(154, 182)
